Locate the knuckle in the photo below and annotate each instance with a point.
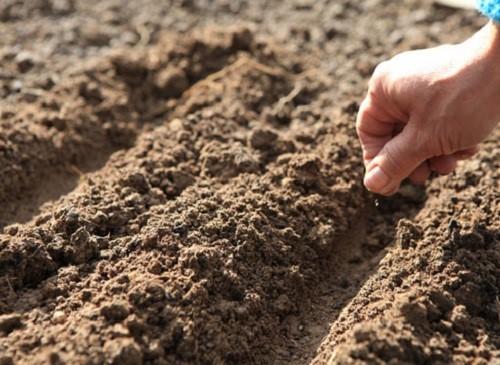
(363, 114)
(394, 161)
(439, 87)
(446, 144)
(435, 137)
(360, 120)
(381, 69)
(421, 143)
(379, 74)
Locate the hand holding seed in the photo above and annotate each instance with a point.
(427, 109)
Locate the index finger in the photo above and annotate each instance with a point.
(375, 128)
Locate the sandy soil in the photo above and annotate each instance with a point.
(181, 184)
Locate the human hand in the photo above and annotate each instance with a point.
(427, 109)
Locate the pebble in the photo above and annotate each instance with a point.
(11, 230)
(59, 317)
(16, 85)
(24, 61)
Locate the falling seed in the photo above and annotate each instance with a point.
(377, 203)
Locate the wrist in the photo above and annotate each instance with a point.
(484, 46)
(492, 30)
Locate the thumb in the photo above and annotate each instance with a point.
(399, 157)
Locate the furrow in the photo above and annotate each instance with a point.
(96, 110)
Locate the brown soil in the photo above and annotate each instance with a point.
(179, 192)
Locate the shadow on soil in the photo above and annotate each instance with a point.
(353, 260)
(50, 186)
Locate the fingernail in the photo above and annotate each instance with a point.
(376, 180)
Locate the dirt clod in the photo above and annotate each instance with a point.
(9, 322)
(123, 352)
(6, 360)
(115, 312)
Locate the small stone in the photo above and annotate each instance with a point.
(11, 230)
(16, 85)
(24, 61)
(59, 317)
(176, 125)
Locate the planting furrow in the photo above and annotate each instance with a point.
(199, 240)
(434, 293)
(96, 110)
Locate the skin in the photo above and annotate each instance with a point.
(427, 109)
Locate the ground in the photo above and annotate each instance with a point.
(181, 183)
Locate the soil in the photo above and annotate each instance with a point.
(181, 183)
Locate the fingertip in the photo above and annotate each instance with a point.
(376, 180)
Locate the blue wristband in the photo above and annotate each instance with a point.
(490, 8)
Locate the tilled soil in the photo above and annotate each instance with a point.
(178, 192)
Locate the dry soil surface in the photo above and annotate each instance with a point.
(181, 183)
